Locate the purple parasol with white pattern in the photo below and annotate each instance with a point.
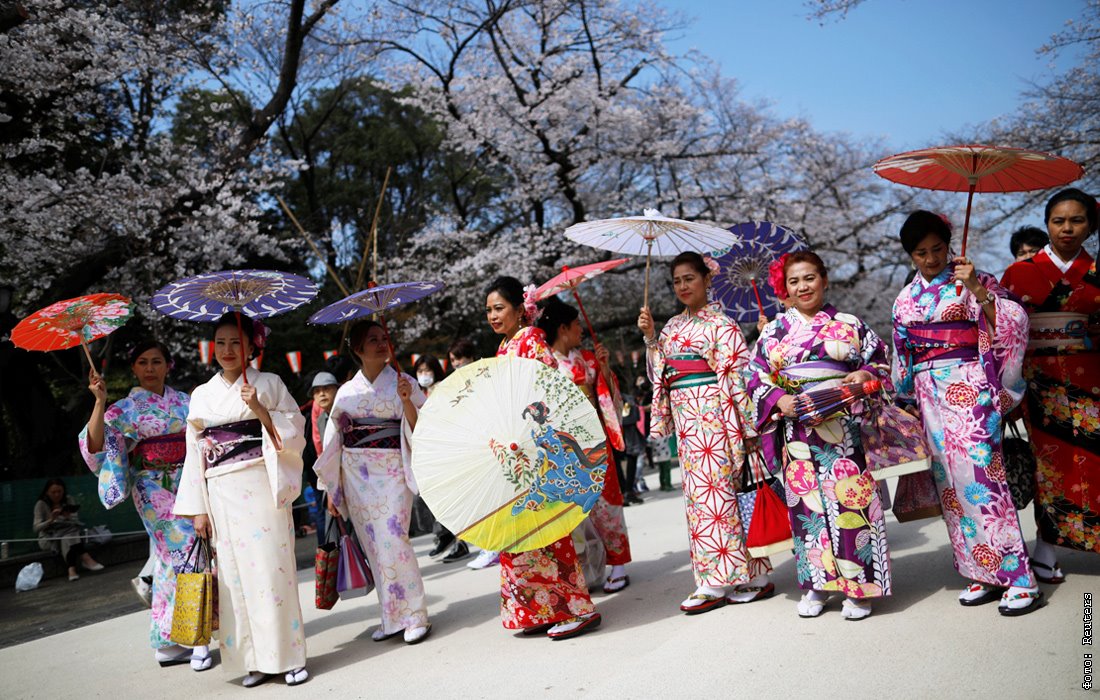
(257, 293)
(741, 285)
(374, 300)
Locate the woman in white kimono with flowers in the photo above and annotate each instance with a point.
(366, 469)
(242, 472)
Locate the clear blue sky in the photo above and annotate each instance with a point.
(904, 70)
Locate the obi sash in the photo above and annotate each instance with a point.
(231, 443)
(794, 378)
(684, 371)
(1059, 331)
(372, 433)
(160, 452)
(950, 340)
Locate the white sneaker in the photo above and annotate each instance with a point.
(484, 559)
(143, 590)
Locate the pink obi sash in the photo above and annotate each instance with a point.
(164, 452)
(683, 371)
(952, 340)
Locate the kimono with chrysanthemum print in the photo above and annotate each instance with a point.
(142, 456)
(962, 400)
(835, 511)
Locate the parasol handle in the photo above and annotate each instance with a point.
(966, 229)
(759, 303)
(648, 251)
(88, 353)
(240, 337)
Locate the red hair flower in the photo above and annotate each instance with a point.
(777, 275)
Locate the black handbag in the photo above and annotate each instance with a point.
(1020, 467)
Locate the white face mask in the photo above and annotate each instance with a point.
(425, 380)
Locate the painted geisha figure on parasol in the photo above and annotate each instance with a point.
(1060, 289)
(958, 358)
(836, 515)
(590, 371)
(242, 472)
(365, 470)
(542, 590)
(698, 391)
(136, 447)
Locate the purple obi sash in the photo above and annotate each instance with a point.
(952, 340)
(371, 433)
(232, 442)
(683, 371)
(164, 452)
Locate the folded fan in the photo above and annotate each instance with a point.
(816, 406)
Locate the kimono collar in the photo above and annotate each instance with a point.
(386, 376)
(706, 311)
(137, 393)
(1062, 265)
(944, 274)
(823, 316)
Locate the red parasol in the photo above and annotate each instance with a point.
(975, 168)
(569, 279)
(72, 322)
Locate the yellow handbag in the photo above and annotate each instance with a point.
(195, 612)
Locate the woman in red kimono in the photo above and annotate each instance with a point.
(1060, 289)
(590, 372)
(542, 590)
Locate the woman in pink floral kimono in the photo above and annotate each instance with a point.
(959, 357)
(699, 392)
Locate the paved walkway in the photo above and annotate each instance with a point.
(919, 643)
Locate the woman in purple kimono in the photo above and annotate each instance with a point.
(959, 357)
(836, 514)
(136, 447)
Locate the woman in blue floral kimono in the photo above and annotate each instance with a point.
(137, 447)
(836, 514)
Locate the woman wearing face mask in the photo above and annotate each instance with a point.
(958, 358)
(813, 346)
(137, 448)
(542, 591)
(429, 372)
(699, 393)
(365, 467)
(1060, 289)
(590, 371)
(242, 472)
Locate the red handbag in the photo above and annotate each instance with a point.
(325, 566)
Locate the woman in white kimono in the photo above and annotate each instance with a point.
(242, 472)
(365, 467)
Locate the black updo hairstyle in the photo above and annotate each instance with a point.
(689, 258)
(555, 314)
(248, 328)
(1072, 194)
(148, 344)
(919, 225)
(509, 288)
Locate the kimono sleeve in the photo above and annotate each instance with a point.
(609, 403)
(660, 410)
(730, 355)
(1010, 339)
(191, 496)
(418, 398)
(284, 466)
(764, 393)
(112, 464)
(873, 355)
(901, 373)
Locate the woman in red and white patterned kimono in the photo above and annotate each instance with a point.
(1060, 289)
(590, 371)
(543, 590)
(698, 390)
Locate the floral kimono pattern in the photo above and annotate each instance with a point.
(1063, 400)
(546, 585)
(248, 500)
(142, 456)
(371, 480)
(607, 516)
(836, 515)
(705, 413)
(962, 398)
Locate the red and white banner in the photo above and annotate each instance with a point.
(444, 363)
(415, 357)
(294, 359)
(206, 351)
(331, 353)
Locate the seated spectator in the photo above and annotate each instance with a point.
(59, 528)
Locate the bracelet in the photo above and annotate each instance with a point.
(988, 299)
(651, 342)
